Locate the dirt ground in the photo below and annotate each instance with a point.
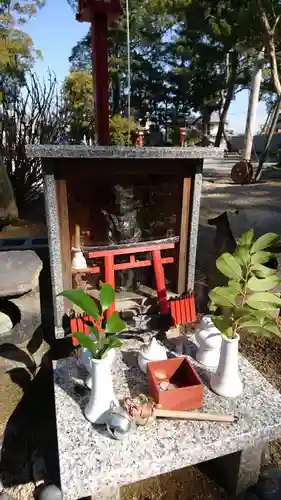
(184, 484)
(265, 355)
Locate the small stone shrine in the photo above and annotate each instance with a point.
(127, 203)
(128, 216)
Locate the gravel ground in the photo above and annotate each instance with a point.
(21, 492)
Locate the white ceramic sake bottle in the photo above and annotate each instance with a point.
(209, 339)
(226, 381)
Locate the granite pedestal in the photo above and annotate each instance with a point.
(92, 464)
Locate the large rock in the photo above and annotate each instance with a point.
(231, 225)
(261, 220)
(10, 396)
(25, 314)
(19, 272)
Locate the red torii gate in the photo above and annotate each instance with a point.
(157, 261)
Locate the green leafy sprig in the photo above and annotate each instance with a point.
(103, 336)
(246, 302)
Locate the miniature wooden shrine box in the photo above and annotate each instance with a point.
(130, 204)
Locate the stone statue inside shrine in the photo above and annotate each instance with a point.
(122, 228)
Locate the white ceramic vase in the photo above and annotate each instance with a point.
(226, 381)
(151, 352)
(102, 393)
(88, 365)
(85, 358)
(208, 338)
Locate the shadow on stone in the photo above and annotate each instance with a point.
(13, 353)
(136, 379)
(47, 492)
(46, 299)
(11, 310)
(21, 377)
(269, 484)
(61, 348)
(35, 341)
(31, 427)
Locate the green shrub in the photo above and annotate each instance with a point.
(119, 130)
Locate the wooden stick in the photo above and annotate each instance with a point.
(77, 242)
(186, 204)
(189, 415)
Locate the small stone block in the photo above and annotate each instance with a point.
(20, 271)
(50, 492)
(5, 323)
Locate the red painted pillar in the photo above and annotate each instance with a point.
(100, 75)
(160, 282)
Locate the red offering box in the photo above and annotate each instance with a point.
(187, 393)
(182, 310)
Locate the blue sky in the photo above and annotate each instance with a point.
(238, 112)
(55, 31)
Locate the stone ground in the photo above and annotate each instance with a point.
(26, 399)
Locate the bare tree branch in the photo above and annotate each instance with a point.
(30, 113)
(269, 37)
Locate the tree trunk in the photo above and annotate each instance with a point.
(266, 126)
(223, 117)
(8, 207)
(270, 34)
(270, 41)
(228, 142)
(273, 124)
(206, 122)
(229, 96)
